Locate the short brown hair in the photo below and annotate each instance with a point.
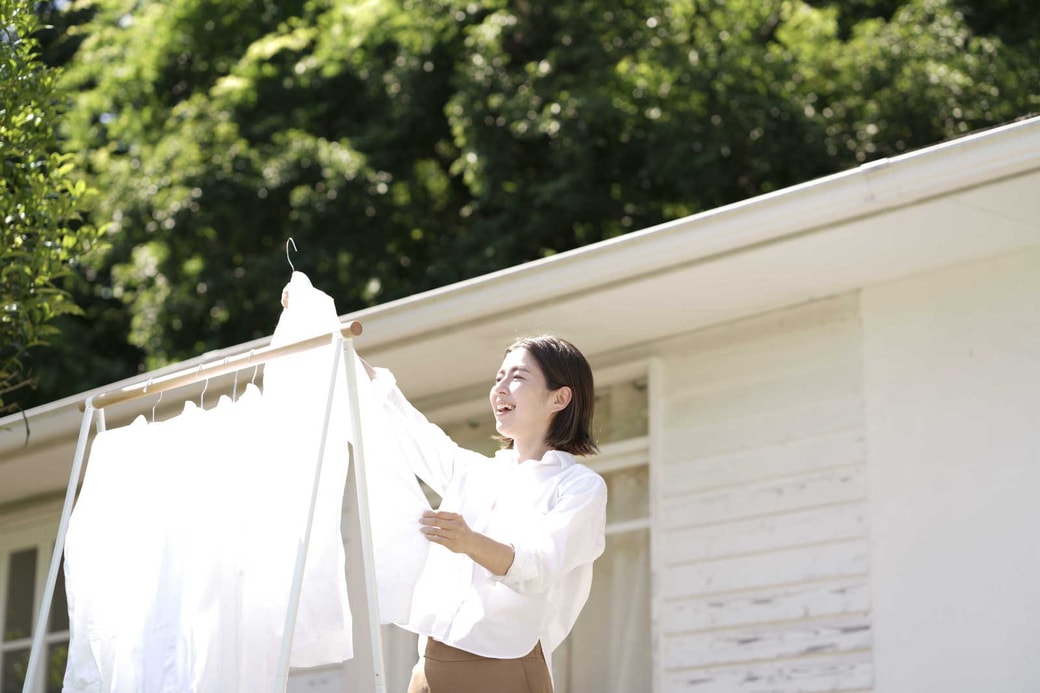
(563, 365)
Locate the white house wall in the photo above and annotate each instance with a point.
(952, 364)
(762, 553)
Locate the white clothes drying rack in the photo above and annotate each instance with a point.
(93, 412)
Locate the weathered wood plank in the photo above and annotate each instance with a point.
(847, 672)
(782, 357)
(764, 393)
(796, 528)
(762, 517)
(785, 603)
(774, 641)
(837, 560)
(797, 419)
(772, 496)
(784, 459)
(784, 333)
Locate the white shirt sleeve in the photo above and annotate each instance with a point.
(429, 452)
(552, 544)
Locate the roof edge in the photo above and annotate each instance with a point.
(869, 189)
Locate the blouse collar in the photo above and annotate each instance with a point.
(552, 458)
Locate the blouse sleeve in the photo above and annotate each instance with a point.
(428, 451)
(553, 544)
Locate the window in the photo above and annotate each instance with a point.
(609, 648)
(24, 560)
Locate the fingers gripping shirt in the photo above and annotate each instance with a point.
(552, 511)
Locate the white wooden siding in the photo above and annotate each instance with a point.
(761, 507)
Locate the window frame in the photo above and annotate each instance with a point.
(41, 536)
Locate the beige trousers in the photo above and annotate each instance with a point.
(451, 670)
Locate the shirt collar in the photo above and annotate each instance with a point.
(552, 458)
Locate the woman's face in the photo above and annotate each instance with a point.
(520, 399)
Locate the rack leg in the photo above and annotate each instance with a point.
(367, 555)
(59, 546)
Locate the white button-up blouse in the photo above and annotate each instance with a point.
(552, 511)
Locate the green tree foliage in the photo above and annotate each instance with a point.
(41, 232)
(407, 144)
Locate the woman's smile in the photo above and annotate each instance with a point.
(520, 400)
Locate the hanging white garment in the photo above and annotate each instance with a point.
(154, 557)
(396, 501)
(296, 392)
(180, 550)
(111, 561)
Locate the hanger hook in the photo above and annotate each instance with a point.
(202, 397)
(291, 266)
(224, 364)
(156, 405)
(256, 368)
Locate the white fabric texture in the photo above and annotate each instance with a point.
(181, 547)
(296, 391)
(394, 497)
(151, 556)
(396, 502)
(552, 511)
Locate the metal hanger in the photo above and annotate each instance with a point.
(234, 385)
(202, 397)
(291, 266)
(148, 385)
(256, 368)
(156, 405)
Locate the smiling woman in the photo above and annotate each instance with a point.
(514, 539)
(609, 647)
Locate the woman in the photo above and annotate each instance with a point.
(515, 535)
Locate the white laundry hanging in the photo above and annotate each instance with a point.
(395, 499)
(296, 393)
(180, 551)
(153, 559)
(396, 502)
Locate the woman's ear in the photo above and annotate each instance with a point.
(561, 397)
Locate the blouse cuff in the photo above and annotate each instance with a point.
(523, 568)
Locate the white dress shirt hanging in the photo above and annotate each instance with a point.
(396, 501)
(180, 549)
(296, 392)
